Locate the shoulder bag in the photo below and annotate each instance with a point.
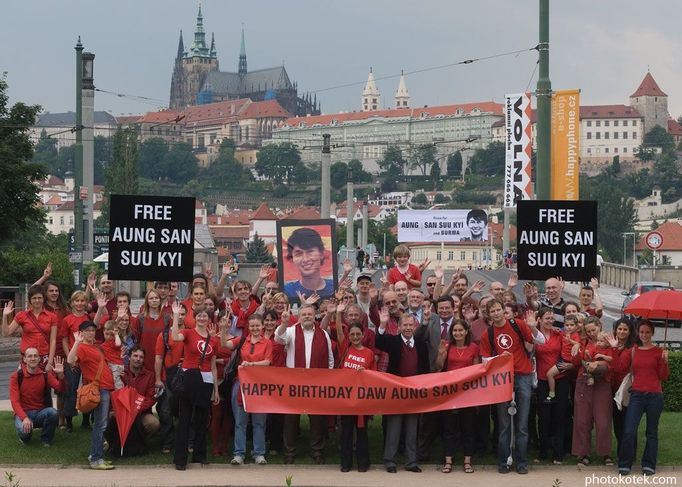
(88, 397)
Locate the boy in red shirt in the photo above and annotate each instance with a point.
(112, 352)
(403, 270)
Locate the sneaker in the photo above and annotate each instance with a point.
(522, 470)
(260, 460)
(648, 471)
(623, 471)
(237, 460)
(549, 399)
(101, 465)
(46, 444)
(503, 469)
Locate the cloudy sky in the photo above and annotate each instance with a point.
(602, 47)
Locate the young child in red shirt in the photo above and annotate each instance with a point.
(112, 352)
(403, 270)
(571, 338)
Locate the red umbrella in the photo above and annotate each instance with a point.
(658, 305)
(126, 403)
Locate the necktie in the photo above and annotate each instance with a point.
(444, 330)
(409, 343)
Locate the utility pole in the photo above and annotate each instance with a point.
(88, 144)
(325, 166)
(78, 169)
(349, 211)
(365, 225)
(544, 93)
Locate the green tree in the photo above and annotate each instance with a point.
(181, 163)
(122, 172)
(278, 162)
(257, 252)
(19, 188)
(489, 161)
(659, 137)
(225, 171)
(435, 173)
(424, 158)
(420, 199)
(103, 148)
(375, 234)
(393, 163)
(454, 168)
(359, 173)
(440, 199)
(338, 175)
(151, 162)
(46, 153)
(644, 153)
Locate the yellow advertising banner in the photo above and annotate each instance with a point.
(565, 145)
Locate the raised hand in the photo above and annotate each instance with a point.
(92, 280)
(426, 315)
(438, 272)
(442, 347)
(331, 307)
(212, 329)
(347, 283)
(102, 300)
(313, 298)
(478, 286)
(341, 307)
(384, 281)
(530, 318)
(176, 307)
(373, 292)
(78, 336)
(594, 284)
(384, 316)
(561, 282)
(8, 309)
(613, 341)
(664, 355)
(208, 271)
(530, 289)
(286, 314)
(264, 271)
(48, 271)
(469, 312)
(424, 265)
(58, 367)
(513, 280)
(347, 266)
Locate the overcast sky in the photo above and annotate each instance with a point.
(602, 47)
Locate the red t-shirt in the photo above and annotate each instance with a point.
(648, 369)
(173, 355)
(279, 354)
(70, 325)
(60, 314)
(548, 353)
(352, 358)
(567, 347)
(112, 353)
(507, 340)
(194, 347)
(89, 357)
(151, 329)
(262, 349)
(460, 358)
(35, 330)
(394, 275)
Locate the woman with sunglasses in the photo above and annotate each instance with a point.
(256, 350)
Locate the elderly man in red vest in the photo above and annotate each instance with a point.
(307, 347)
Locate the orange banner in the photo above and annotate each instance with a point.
(365, 392)
(565, 145)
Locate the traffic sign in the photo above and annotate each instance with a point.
(653, 240)
(75, 257)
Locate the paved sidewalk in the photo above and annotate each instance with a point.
(275, 475)
(611, 297)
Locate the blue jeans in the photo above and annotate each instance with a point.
(241, 419)
(73, 379)
(101, 418)
(522, 393)
(650, 403)
(46, 419)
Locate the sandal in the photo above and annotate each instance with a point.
(447, 468)
(608, 461)
(468, 468)
(584, 460)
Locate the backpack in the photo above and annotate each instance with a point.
(47, 390)
(491, 338)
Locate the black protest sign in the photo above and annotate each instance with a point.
(557, 239)
(151, 238)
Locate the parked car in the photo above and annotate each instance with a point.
(642, 287)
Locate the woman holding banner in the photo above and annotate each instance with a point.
(458, 352)
(256, 350)
(354, 355)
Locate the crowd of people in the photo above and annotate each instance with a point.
(184, 354)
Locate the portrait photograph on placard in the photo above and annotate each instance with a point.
(306, 252)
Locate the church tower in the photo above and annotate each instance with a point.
(242, 56)
(651, 103)
(371, 98)
(402, 96)
(192, 67)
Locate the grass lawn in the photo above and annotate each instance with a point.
(73, 448)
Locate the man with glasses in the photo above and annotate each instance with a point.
(431, 285)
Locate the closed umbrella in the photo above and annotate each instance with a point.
(126, 403)
(657, 305)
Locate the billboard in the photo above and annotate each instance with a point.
(442, 225)
(565, 145)
(518, 148)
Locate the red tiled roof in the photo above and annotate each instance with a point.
(674, 128)
(238, 217)
(608, 111)
(52, 180)
(672, 237)
(210, 112)
(497, 230)
(69, 206)
(415, 113)
(648, 87)
(54, 200)
(163, 116)
(263, 213)
(262, 109)
(229, 232)
(342, 209)
(128, 119)
(304, 213)
(198, 204)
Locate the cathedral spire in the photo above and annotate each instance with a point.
(242, 55)
(371, 98)
(199, 45)
(181, 47)
(213, 52)
(402, 96)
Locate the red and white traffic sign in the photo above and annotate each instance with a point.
(653, 240)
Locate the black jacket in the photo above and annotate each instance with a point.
(393, 345)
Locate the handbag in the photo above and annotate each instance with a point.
(178, 383)
(230, 371)
(88, 397)
(622, 395)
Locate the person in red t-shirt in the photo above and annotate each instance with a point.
(38, 326)
(150, 323)
(403, 270)
(354, 355)
(503, 338)
(458, 352)
(168, 355)
(200, 383)
(112, 352)
(649, 369)
(91, 360)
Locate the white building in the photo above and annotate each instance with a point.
(57, 125)
(371, 98)
(609, 130)
(374, 212)
(391, 201)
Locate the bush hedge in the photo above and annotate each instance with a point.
(672, 388)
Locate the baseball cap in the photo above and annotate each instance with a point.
(86, 324)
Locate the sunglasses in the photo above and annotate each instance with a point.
(430, 284)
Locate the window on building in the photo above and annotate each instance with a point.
(589, 135)
(634, 123)
(625, 135)
(625, 150)
(606, 150)
(606, 135)
(615, 135)
(598, 123)
(463, 255)
(61, 220)
(615, 123)
(606, 123)
(474, 256)
(634, 135)
(589, 150)
(615, 150)
(439, 255)
(625, 123)
(589, 123)
(597, 135)
(49, 220)
(71, 220)
(451, 255)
